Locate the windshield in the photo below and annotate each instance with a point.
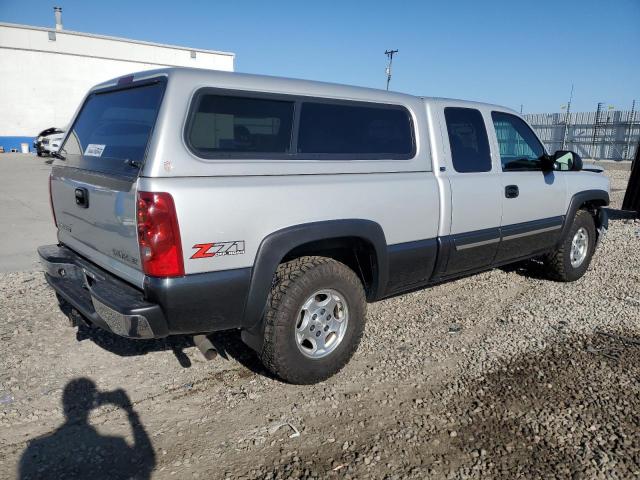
(112, 130)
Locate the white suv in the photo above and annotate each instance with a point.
(48, 141)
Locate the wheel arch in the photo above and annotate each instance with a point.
(591, 200)
(314, 238)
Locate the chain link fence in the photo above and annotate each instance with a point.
(603, 134)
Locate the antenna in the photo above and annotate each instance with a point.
(389, 54)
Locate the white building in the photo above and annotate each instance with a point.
(45, 72)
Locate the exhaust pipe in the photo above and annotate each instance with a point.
(205, 346)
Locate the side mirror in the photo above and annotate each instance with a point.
(566, 160)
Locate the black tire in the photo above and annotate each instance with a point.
(294, 283)
(39, 153)
(558, 264)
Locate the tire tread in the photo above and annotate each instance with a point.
(555, 262)
(287, 278)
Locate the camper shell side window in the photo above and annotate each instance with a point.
(226, 124)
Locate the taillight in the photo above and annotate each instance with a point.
(53, 212)
(159, 235)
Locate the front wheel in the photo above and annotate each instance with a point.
(314, 320)
(572, 259)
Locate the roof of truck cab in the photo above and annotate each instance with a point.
(455, 102)
(282, 85)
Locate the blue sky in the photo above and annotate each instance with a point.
(505, 52)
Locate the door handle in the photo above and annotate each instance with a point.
(82, 197)
(511, 191)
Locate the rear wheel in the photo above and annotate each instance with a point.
(572, 259)
(314, 321)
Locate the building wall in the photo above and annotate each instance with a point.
(42, 81)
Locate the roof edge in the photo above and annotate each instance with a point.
(118, 39)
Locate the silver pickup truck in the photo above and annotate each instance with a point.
(190, 201)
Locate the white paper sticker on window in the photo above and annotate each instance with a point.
(94, 150)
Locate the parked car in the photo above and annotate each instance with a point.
(48, 141)
(190, 201)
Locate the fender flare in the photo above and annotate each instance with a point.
(577, 200)
(275, 246)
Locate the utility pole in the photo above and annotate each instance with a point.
(389, 54)
(567, 119)
(596, 129)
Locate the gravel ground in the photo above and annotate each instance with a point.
(501, 375)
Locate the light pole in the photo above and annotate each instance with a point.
(567, 119)
(389, 54)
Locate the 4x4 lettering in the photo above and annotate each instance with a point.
(218, 249)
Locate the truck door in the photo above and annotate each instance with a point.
(476, 203)
(534, 201)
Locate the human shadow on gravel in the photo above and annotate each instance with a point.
(77, 451)
(570, 411)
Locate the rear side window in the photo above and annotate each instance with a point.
(468, 140)
(113, 128)
(328, 129)
(228, 124)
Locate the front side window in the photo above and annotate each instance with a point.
(468, 140)
(520, 149)
(228, 124)
(348, 129)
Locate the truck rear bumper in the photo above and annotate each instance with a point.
(104, 300)
(199, 303)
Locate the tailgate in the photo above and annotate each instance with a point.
(94, 182)
(101, 225)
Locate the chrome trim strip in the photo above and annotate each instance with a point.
(508, 237)
(477, 244)
(532, 232)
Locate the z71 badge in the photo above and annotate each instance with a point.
(218, 249)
